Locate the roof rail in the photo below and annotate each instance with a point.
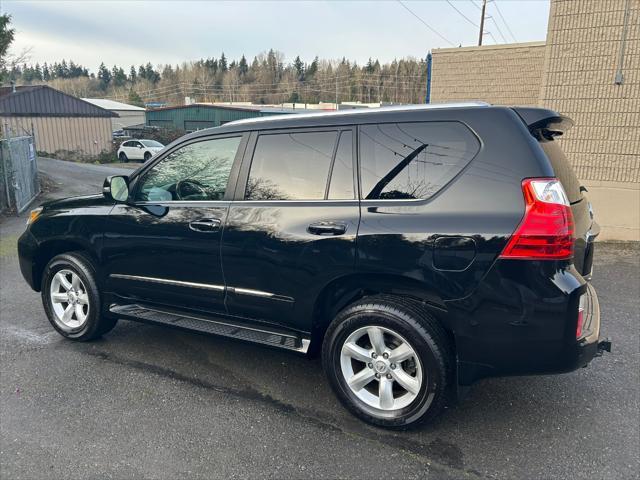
(360, 111)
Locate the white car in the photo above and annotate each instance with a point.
(138, 150)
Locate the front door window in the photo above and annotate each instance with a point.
(196, 172)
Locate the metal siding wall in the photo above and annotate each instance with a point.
(73, 134)
(198, 113)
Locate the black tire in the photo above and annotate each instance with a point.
(96, 323)
(123, 157)
(147, 156)
(426, 336)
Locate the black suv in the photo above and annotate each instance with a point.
(417, 248)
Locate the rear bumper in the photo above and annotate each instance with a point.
(522, 320)
(587, 346)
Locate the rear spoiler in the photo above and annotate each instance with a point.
(544, 123)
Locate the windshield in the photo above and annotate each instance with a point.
(151, 143)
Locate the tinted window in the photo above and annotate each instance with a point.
(412, 160)
(291, 166)
(151, 143)
(563, 169)
(341, 187)
(199, 171)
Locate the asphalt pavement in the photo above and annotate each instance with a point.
(150, 402)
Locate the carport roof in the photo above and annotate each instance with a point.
(44, 101)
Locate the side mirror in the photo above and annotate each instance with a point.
(116, 188)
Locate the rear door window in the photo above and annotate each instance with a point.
(291, 166)
(412, 160)
(563, 169)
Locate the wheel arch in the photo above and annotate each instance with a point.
(343, 291)
(51, 248)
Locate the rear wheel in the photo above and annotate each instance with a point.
(71, 298)
(123, 157)
(388, 361)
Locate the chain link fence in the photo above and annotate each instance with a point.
(19, 183)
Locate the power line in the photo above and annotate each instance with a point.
(463, 15)
(498, 27)
(426, 24)
(504, 21)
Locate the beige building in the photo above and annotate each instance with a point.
(588, 69)
(502, 74)
(63, 126)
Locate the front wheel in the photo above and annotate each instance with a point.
(147, 156)
(71, 298)
(388, 361)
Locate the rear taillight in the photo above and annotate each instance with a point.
(546, 230)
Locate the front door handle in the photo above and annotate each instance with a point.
(205, 225)
(327, 228)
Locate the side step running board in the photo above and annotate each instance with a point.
(275, 338)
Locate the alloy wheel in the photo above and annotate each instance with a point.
(381, 368)
(69, 300)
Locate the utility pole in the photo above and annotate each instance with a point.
(484, 7)
(336, 89)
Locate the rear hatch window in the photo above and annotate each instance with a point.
(563, 170)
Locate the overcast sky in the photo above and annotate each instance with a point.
(134, 32)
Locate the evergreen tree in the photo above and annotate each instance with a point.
(37, 72)
(27, 73)
(104, 75)
(313, 68)
(46, 75)
(64, 69)
(243, 67)
(118, 77)
(151, 74)
(135, 99)
(299, 66)
(222, 64)
(7, 35)
(132, 74)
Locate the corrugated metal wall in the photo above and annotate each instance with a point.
(85, 136)
(196, 117)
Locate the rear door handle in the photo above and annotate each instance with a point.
(205, 225)
(327, 228)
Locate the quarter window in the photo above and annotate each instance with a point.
(291, 166)
(412, 160)
(196, 172)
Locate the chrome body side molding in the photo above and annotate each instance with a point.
(166, 281)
